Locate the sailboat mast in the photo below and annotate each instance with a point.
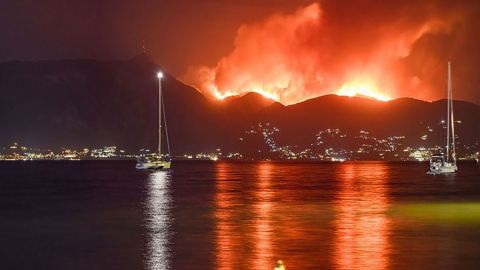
(452, 119)
(160, 76)
(448, 112)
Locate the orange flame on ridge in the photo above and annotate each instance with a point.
(362, 88)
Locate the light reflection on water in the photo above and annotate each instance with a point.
(244, 234)
(257, 222)
(228, 243)
(310, 216)
(352, 215)
(158, 220)
(263, 217)
(361, 226)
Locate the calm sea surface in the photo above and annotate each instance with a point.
(207, 215)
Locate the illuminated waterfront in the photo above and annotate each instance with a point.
(329, 145)
(238, 215)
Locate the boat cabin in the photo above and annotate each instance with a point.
(437, 161)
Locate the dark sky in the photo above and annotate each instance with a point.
(177, 33)
(289, 49)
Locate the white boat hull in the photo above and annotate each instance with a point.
(154, 165)
(444, 168)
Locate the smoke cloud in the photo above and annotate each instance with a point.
(381, 49)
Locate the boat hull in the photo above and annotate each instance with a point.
(154, 165)
(445, 168)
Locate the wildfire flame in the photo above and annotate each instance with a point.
(366, 89)
(219, 95)
(293, 57)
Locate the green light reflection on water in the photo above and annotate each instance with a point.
(460, 213)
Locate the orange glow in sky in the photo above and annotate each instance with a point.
(293, 57)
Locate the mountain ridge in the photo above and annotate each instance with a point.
(86, 103)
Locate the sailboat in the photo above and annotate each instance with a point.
(157, 161)
(443, 164)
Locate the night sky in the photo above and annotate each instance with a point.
(176, 33)
(289, 50)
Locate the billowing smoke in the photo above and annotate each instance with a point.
(381, 49)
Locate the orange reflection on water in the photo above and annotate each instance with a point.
(263, 217)
(362, 227)
(244, 220)
(227, 244)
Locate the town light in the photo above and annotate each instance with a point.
(160, 75)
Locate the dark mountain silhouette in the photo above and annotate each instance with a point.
(401, 117)
(81, 103)
(89, 103)
(246, 104)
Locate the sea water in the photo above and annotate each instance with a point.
(238, 215)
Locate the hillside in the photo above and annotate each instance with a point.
(89, 103)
